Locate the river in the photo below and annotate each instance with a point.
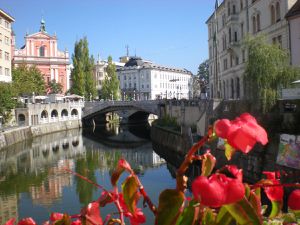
(33, 182)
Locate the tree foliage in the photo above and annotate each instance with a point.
(7, 102)
(55, 87)
(27, 80)
(111, 84)
(82, 73)
(203, 75)
(267, 71)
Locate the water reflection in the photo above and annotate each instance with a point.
(33, 181)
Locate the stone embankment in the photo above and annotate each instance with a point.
(19, 134)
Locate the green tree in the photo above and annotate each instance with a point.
(55, 87)
(7, 102)
(82, 74)
(27, 80)
(203, 75)
(111, 84)
(267, 70)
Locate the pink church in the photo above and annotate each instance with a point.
(41, 50)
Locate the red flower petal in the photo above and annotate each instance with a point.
(274, 193)
(10, 222)
(222, 128)
(294, 200)
(235, 191)
(76, 222)
(92, 213)
(27, 221)
(209, 191)
(56, 216)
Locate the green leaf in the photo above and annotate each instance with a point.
(169, 206)
(243, 212)
(188, 215)
(254, 199)
(276, 209)
(130, 192)
(66, 220)
(229, 151)
(209, 218)
(289, 218)
(224, 217)
(208, 164)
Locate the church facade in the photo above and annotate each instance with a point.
(40, 50)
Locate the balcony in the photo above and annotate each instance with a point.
(233, 18)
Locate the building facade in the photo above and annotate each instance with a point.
(293, 17)
(5, 46)
(143, 80)
(231, 22)
(100, 72)
(41, 50)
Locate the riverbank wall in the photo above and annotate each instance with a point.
(18, 134)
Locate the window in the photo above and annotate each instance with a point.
(229, 32)
(6, 39)
(242, 30)
(6, 72)
(242, 4)
(223, 20)
(233, 9)
(258, 22)
(42, 51)
(6, 24)
(237, 87)
(272, 14)
(7, 56)
(277, 12)
(225, 64)
(232, 89)
(235, 36)
(253, 24)
(228, 6)
(124, 77)
(279, 38)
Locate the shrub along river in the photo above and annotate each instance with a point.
(33, 182)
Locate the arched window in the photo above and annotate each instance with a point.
(44, 114)
(232, 89)
(272, 14)
(74, 112)
(54, 113)
(237, 87)
(64, 112)
(277, 11)
(42, 51)
(224, 91)
(258, 23)
(254, 24)
(21, 119)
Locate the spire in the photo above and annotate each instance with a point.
(43, 26)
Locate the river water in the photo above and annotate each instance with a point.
(33, 182)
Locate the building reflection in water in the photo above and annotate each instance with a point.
(37, 166)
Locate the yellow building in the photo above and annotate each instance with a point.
(6, 47)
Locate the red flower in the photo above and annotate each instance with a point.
(217, 190)
(294, 200)
(241, 133)
(56, 216)
(76, 222)
(10, 222)
(27, 221)
(274, 193)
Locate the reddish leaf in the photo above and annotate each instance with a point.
(10, 222)
(229, 151)
(208, 163)
(76, 222)
(92, 213)
(27, 221)
(130, 193)
(169, 207)
(121, 167)
(65, 220)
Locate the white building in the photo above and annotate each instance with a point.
(231, 22)
(100, 72)
(143, 80)
(293, 17)
(6, 46)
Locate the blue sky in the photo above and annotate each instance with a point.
(167, 32)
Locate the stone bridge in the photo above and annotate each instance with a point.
(186, 112)
(138, 109)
